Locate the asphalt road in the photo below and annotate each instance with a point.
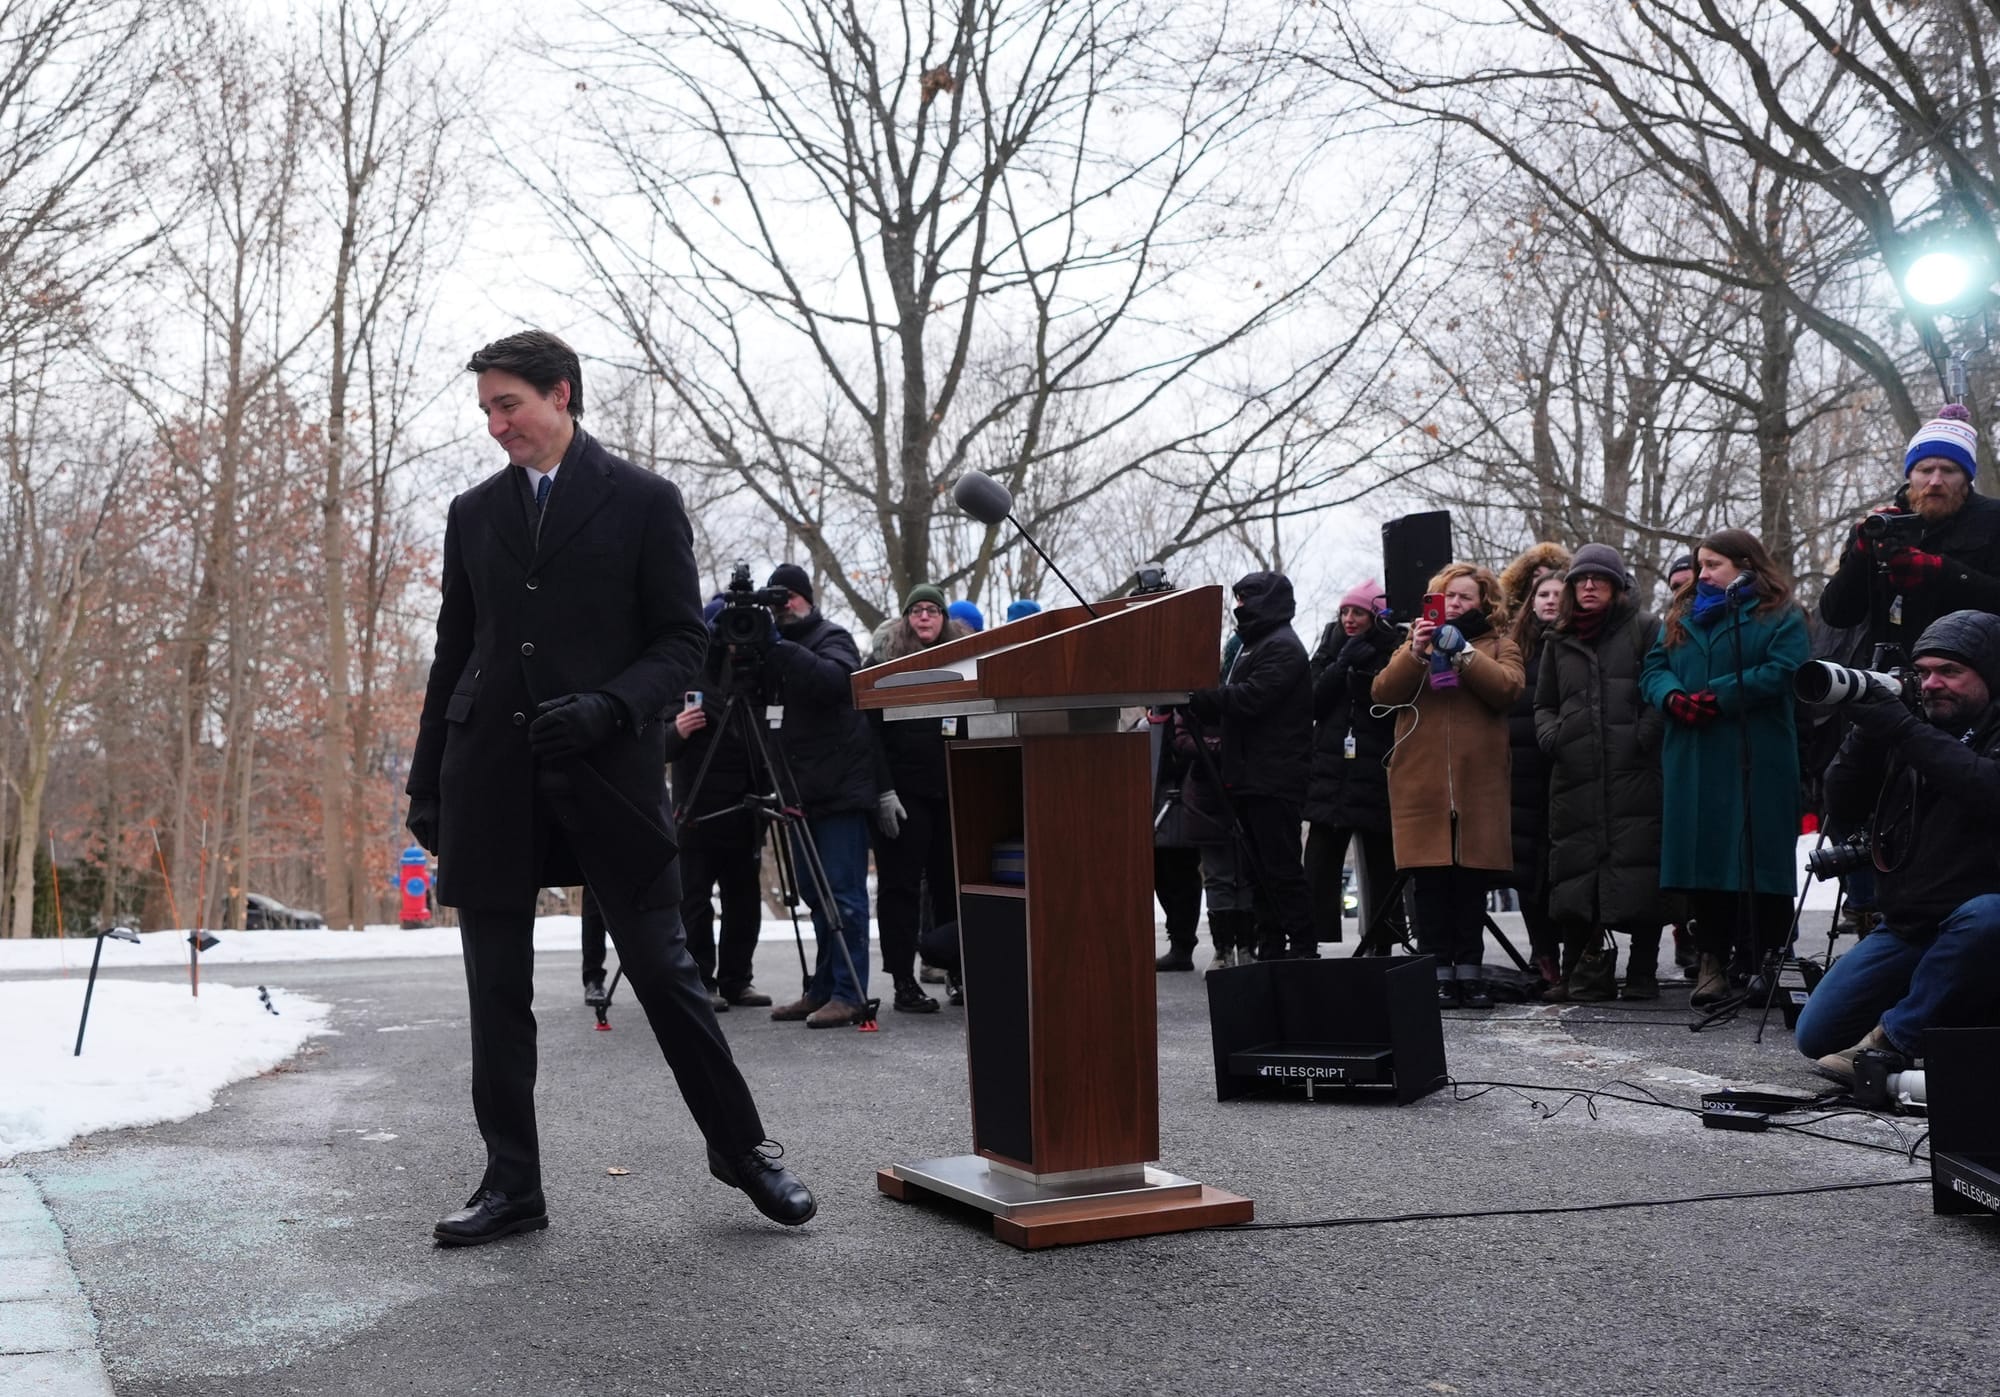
(281, 1242)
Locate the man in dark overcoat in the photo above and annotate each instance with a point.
(569, 627)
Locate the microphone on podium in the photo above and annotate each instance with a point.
(988, 501)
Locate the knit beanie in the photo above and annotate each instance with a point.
(1600, 560)
(1024, 607)
(1366, 595)
(923, 592)
(965, 611)
(1683, 562)
(1950, 437)
(792, 578)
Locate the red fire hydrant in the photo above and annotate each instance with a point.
(414, 876)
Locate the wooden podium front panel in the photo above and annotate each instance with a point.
(1096, 1084)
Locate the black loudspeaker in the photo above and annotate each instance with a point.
(1415, 549)
(1349, 1022)
(1962, 1099)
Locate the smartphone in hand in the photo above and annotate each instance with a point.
(1434, 608)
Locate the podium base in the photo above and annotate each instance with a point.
(1031, 1216)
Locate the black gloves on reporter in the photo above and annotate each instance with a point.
(572, 725)
(422, 822)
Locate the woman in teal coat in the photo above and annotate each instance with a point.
(1713, 697)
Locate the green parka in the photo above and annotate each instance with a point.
(1603, 743)
(1702, 767)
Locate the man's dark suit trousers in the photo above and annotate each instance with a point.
(652, 948)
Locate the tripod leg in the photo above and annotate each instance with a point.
(1375, 940)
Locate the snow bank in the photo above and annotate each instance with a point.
(152, 1053)
(266, 947)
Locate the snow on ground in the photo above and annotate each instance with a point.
(265, 947)
(151, 1053)
(387, 942)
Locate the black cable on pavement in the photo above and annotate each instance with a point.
(1605, 1207)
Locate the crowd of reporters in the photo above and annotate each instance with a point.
(1612, 763)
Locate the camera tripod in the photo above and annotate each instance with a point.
(785, 826)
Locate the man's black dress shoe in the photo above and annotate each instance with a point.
(775, 1190)
(490, 1215)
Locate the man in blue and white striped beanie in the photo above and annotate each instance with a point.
(1900, 578)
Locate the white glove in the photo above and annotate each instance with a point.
(890, 814)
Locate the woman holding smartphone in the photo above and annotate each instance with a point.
(1452, 685)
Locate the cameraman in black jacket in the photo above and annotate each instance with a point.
(834, 760)
(1927, 790)
(1935, 550)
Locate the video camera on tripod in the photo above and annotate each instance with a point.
(744, 625)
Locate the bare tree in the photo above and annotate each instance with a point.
(388, 118)
(74, 80)
(882, 246)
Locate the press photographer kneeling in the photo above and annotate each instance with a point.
(1926, 788)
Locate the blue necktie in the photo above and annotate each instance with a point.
(542, 488)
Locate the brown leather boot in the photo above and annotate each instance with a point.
(835, 1013)
(1711, 981)
(798, 1009)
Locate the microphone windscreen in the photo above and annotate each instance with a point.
(983, 497)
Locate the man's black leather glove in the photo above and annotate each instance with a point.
(571, 725)
(422, 822)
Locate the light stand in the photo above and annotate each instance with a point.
(116, 933)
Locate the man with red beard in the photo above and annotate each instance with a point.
(1940, 551)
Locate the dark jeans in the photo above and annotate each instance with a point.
(499, 947)
(1908, 982)
(921, 850)
(1278, 888)
(1177, 884)
(1716, 915)
(1450, 906)
(842, 841)
(1326, 856)
(733, 869)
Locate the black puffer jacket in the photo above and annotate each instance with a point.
(1350, 792)
(1265, 704)
(1919, 787)
(1602, 740)
(1528, 794)
(832, 754)
(1968, 540)
(913, 748)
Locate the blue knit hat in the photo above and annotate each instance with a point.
(1024, 607)
(965, 611)
(1949, 437)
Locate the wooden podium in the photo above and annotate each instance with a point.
(1059, 982)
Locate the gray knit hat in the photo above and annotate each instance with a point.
(1600, 560)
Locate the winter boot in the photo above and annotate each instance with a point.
(1711, 984)
(1176, 958)
(1642, 969)
(1595, 978)
(910, 996)
(1472, 992)
(1229, 929)
(1447, 978)
(1548, 978)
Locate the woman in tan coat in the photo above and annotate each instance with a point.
(1453, 686)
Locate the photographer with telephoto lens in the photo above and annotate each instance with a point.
(1934, 550)
(1924, 783)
